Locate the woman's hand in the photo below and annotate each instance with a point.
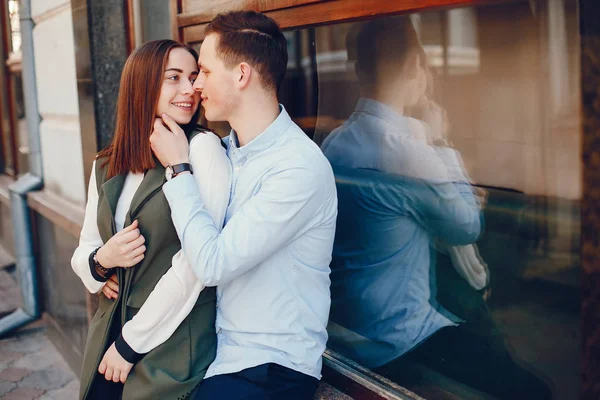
(124, 249)
(113, 366)
(111, 288)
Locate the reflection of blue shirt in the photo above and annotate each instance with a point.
(394, 194)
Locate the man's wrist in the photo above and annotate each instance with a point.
(171, 171)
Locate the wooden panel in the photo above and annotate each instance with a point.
(213, 7)
(202, 12)
(194, 34)
(348, 10)
(57, 210)
(129, 26)
(5, 182)
(268, 5)
(175, 9)
(295, 13)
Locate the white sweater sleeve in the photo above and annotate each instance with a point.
(89, 239)
(177, 291)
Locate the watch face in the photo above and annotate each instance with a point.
(168, 173)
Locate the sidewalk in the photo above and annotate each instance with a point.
(30, 366)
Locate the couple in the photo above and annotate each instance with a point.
(256, 220)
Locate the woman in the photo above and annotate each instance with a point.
(155, 338)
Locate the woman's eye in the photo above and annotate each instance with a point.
(193, 79)
(173, 78)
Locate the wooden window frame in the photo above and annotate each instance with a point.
(188, 26)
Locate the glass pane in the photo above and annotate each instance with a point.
(455, 140)
(152, 20)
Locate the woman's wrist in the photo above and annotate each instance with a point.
(98, 274)
(100, 260)
(100, 269)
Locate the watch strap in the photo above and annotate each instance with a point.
(179, 168)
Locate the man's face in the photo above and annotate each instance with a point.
(216, 82)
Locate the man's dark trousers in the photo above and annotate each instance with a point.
(264, 382)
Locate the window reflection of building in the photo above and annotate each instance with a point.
(513, 116)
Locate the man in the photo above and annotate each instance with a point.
(271, 261)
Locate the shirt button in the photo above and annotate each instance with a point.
(237, 169)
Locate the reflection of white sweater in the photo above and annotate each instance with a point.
(177, 291)
(466, 259)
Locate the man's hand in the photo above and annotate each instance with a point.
(111, 289)
(113, 366)
(169, 143)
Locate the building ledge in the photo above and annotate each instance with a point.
(57, 210)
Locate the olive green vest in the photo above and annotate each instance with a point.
(176, 367)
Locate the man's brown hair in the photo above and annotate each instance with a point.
(248, 36)
(139, 92)
(383, 43)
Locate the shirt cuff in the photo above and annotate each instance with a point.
(95, 273)
(179, 187)
(125, 350)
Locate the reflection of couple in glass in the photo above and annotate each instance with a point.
(402, 193)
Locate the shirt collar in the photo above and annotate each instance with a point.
(267, 138)
(383, 111)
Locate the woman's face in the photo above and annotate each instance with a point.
(177, 96)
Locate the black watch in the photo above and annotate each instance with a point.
(173, 170)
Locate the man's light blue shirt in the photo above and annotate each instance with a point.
(396, 195)
(271, 261)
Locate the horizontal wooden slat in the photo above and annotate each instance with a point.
(208, 10)
(5, 182)
(268, 5)
(57, 210)
(295, 13)
(194, 34)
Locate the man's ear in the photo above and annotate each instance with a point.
(244, 74)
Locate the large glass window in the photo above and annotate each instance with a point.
(455, 140)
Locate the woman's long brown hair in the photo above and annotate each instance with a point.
(139, 91)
